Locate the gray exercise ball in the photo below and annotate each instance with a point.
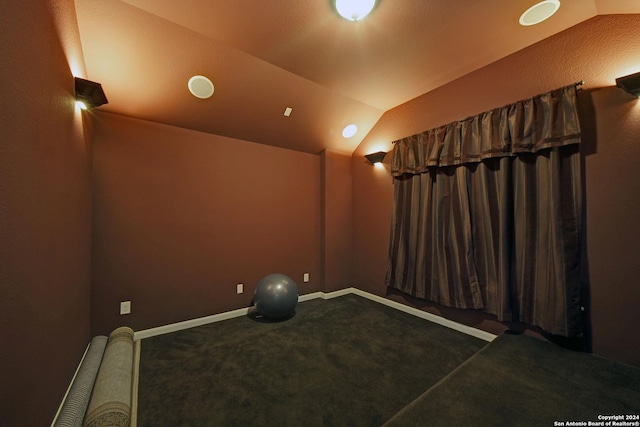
(276, 296)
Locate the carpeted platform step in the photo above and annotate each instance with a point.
(519, 380)
(346, 361)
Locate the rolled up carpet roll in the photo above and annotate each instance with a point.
(110, 404)
(77, 401)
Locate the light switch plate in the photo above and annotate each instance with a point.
(125, 307)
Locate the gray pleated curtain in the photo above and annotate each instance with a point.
(487, 213)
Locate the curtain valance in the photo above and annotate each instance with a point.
(527, 126)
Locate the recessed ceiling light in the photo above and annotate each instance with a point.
(287, 111)
(200, 87)
(539, 12)
(354, 10)
(349, 131)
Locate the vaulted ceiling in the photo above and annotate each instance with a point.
(264, 56)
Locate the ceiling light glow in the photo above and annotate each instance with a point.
(539, 12)
(354, 10)
(349, 131)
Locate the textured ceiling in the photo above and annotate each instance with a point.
(264, 56)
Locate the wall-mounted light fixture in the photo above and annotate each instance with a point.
(89, 94)
(376, 157)
(630, 83)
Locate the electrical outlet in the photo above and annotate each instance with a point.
(125, 307)
(239, 288)
(306, 277)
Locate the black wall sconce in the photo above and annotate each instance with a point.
(89, 94)
(376, 157)
(630, 83)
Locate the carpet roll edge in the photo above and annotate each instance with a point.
(110, 403)
(75, 404)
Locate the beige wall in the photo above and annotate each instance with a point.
(45, 214)
(337, 221)
(596, 51)
(181, 217)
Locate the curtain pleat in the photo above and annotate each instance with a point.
(548, 120)
(487, 214)
(492, 218)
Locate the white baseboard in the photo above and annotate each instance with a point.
(483, 335)
(339, 293)
(307, 297)
(174, 327)
(147, 333)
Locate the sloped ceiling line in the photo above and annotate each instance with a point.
(265, 56)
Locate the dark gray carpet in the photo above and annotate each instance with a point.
(342, 362)
(518, 380)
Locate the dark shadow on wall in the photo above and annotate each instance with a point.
(589, 146)
(588, 125)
